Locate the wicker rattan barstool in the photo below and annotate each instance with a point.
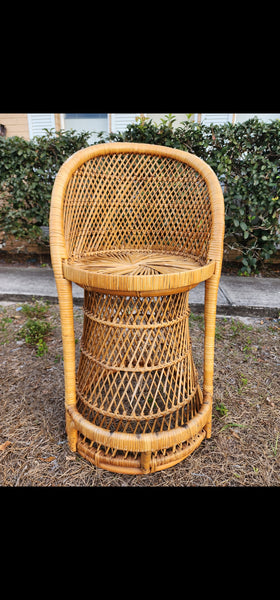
(137, 226)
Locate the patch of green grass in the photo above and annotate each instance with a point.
(219, 330)
(4, 322)
(237, 326)
(275, 447)
(38, 309)
(221, 408)
(33, 332)
(227, 425)
(244, 381)
(36, 328)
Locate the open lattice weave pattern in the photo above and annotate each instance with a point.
(136, 201)
(136, 373)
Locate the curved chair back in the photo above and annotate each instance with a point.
(126, 195)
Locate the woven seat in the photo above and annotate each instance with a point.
(129, 271)
(137, 226)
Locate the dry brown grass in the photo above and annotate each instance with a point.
(244, 449)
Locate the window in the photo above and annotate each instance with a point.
(97, 122)
(93, 122)
(85, 115)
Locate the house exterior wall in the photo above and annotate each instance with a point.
(267, 117)
(58, 121)
(16, 124)
(156, 117)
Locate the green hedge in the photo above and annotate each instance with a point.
(245, 157)
(27, 173)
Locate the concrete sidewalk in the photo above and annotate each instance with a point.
(244, 296)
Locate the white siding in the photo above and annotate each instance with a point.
(266, 117)
(39, 121)
(119, 121)
(216, 118)
(156, 118)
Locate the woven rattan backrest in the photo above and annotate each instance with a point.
(137, 196)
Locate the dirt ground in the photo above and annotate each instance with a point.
(244, 449)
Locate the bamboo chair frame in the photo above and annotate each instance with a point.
(137, 226)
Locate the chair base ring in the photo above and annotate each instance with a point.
(134, 463)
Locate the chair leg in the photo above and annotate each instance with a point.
(64, 289)
(72, 433)
(210, 307)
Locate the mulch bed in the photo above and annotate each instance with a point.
(244, 449)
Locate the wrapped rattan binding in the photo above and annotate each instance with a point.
(137, 226)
